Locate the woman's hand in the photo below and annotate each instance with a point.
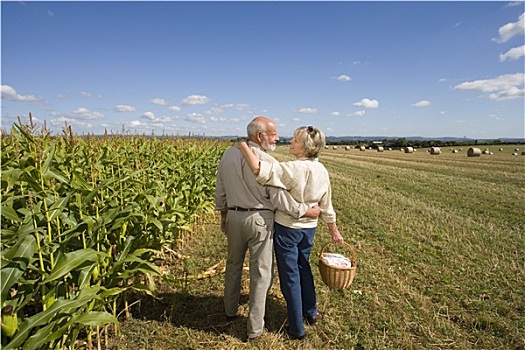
(242, 144)
(334, 233)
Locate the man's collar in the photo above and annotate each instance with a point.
(253, 144)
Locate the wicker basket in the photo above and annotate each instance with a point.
(337, 277)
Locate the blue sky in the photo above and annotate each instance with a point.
(431, 69)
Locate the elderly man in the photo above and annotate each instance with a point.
(247, 219)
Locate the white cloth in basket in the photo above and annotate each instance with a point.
(336, 260)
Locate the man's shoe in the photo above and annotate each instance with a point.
(249, 340)
(311, 320)
(232, 318)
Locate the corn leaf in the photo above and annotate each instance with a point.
(10, 214)
(74, 260)
(18, 257)
(61, 308)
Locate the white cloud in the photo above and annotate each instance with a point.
(175, 109)
(510, 30)
(124, 108)
(509, 94)
(84, 113)
(236, 106)
(367, 103)
(422, 103)
(9, 93)
(335, 114)
(357, 114)
(135, 123)
(195, 100)
(504, 87)
(196, 118)
(343, 77)
(513, 54)
(73, 122)
(307, 110)
(159, 101)
(214, 111)
(149, 115)
(86, 94)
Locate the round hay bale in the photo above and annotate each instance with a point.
(380, 149)
(335, 147)
(362, 148)
(501, 149)
(389, 148)
(409, 149)
(515, 153)
(516, 149)
(347, 148)
(435, 150)
(523, 153)
(455, 151)
(461, 149)
(473, 152)
(326, 147)
(486, 151)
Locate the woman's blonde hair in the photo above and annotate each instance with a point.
(313, 140)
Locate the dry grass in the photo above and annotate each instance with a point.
(439, 243)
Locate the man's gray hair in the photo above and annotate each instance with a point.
(255, 126)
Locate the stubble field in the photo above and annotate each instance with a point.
(439, 242)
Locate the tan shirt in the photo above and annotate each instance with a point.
(308, 182)
(237, 186)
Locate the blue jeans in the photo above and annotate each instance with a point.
(292, 251)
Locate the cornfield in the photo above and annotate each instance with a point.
(84, 220)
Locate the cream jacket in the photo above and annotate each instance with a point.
(307, 181)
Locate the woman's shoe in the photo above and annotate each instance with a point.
(295, 337)
(311, 320)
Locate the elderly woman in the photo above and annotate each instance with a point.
(307, 181)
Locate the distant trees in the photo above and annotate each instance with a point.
(404, 142)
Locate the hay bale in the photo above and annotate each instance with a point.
(501, 149)
(409, 149)
(516, 149)
(455, 151)
(473, 152)
(523, 153)
(486, 151)
(347, 148)
(362, 148)
(335, 147)
(515, 153)
(380, 149)
(326, 147)
(435, 150)
(389, 148)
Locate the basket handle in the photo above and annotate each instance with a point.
(352, 259)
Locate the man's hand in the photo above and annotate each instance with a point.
(313, 212)
(224, 217)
